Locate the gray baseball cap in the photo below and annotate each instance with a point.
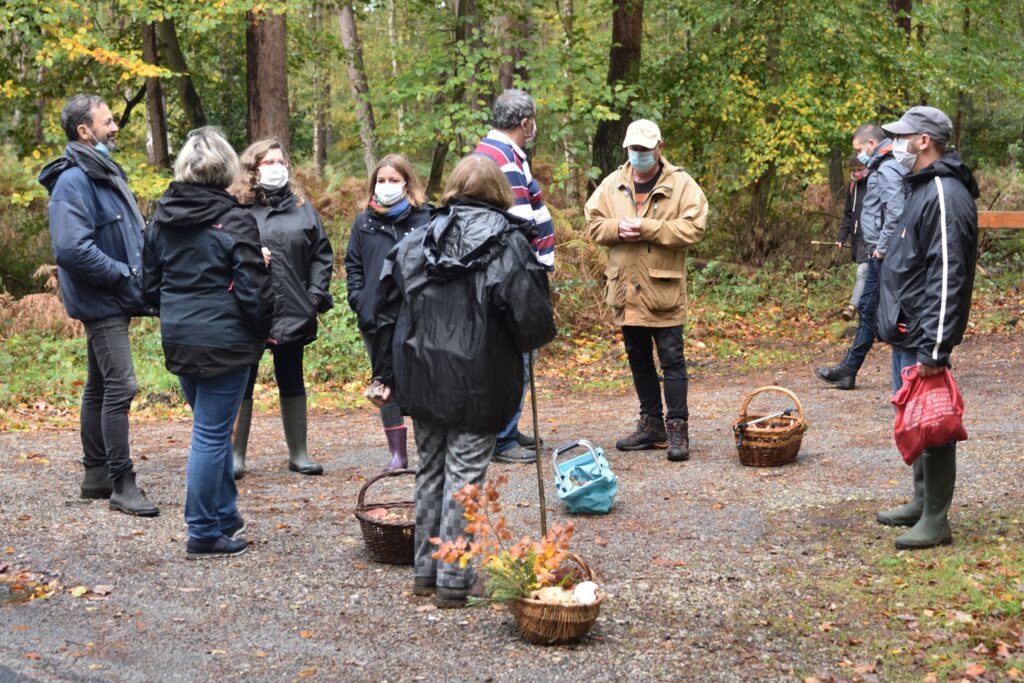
(928, 120)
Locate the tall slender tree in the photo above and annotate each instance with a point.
(360, 84)
(156, 118)
(172, 57)
(267, 76)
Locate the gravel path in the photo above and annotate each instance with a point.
(682, 556)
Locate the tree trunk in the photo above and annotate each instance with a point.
(465, 15)
(624, 68)
(961, 97)
(156, 119)
(572, 183)
(170, 51)
(901, 10)
(266, 58)
(837, 174)
(360, 86)
(515, 29)
(321, 94)
(762, 241)
(393, 47)
(37, 121)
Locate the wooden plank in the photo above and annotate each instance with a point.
(1001, 220)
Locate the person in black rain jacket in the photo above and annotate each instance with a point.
(204, 271)
(461, 301)
(395, 205)
(301, 264)
(925, 288)
(850, 228)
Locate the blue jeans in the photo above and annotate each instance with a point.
(901, 358)
(109, 389)
(867, 307)
(210, 491)
(507, 436)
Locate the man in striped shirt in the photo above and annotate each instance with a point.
(514, 121)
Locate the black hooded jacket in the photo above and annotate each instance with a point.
(927, 278)
(301, 265)
(461, 301)
(204, 271)
(373, 236)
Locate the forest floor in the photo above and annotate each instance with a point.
(713, 571)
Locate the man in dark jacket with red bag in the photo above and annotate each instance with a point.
(926, 282)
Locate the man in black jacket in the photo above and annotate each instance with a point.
(96, 230)
(926, 282)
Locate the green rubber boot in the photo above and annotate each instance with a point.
(293, 417)
(907, 515)
(939, 480)
(241, 443)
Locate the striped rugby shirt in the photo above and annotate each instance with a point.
(528, 201)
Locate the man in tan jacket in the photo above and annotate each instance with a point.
(648, 212)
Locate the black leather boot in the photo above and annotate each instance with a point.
(97, 484)
(678, 440)
(649, 434)
(839, 376)
(127, 498)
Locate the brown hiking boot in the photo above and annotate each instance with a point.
(678, 440)
(650, 433)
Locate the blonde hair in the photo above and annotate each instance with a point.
(206, 158)
(477, 177)
(246, 187)
(413, 186)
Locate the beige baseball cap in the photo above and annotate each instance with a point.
(643, 133)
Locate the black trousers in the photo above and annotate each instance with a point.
(640, 343)
(287, 371)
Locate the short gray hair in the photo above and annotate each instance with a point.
(77, 111)
(511, 107)
(869, 131)
(206, 158)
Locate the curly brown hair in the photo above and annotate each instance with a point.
(246, 187)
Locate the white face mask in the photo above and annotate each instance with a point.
(901, 155)
(388, 193)
(273, 176)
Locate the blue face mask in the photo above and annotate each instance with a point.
(863, 158)
(641, 161)
(99, 146)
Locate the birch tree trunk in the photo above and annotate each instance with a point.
(360, 85)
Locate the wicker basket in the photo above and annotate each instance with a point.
(543, 623)
(774, 441)
(386, 541)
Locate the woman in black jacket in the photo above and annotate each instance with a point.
(461, 301)
(301, 265)
(850, 227)
(204, 271)
(395, 205)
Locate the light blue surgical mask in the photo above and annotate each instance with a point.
(864, 158)
(641, 161)
(99, 146)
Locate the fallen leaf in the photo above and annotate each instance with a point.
(260, 653)
(308, 672)
(600, 541)
(24, 518)
(825, 626)
(426, 608)
(20, 627)
(980, 649)
(79, 591)
(103, 590)
(305, 634)
(974, 670)
(359, 565)
(216, 652)
(718, 506)
(32, 655)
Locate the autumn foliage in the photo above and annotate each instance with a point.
(513, 569)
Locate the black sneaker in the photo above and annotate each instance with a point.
(235, 529)
(650, 433)
(839, 376)
(515, 456)
(201, 548)
(526, 441)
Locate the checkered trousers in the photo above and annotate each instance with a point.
(448, 460)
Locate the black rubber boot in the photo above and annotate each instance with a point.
(908, 514)
(839, 376)
(678, 440)
(96, 484)
(939, 480)
(127, 498)
(241, 443)
(293, 417)
(649, 434)
(398, 446)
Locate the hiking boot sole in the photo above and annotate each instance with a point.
(134, 513)
(214, 556)
(678, 458)
(642, 447)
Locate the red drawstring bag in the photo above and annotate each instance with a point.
(929, 412)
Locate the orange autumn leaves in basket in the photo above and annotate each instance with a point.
(490, 535)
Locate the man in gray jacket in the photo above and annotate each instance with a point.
(882, 210)
(96, 230)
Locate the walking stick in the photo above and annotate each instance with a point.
(536, 445)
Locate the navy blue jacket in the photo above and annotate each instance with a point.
(96, 233)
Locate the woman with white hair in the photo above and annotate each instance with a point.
(205, 272)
